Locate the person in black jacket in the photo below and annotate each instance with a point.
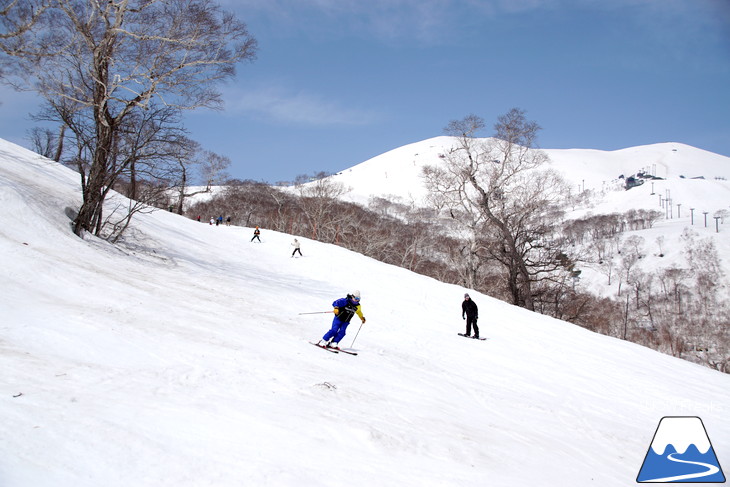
(256, 234)
(470, 312)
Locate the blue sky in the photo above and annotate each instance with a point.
(337, 82)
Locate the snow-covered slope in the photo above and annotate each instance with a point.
(180, 359)
(394, 174)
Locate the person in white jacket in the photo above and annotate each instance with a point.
(297, 248)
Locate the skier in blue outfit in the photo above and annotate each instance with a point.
(344, 310)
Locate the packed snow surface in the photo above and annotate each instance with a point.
(180, 358)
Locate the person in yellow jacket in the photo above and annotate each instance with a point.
(344, 309)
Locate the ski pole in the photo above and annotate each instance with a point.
(356, 334)
(316, 313)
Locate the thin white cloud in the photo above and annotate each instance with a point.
(282, 106)
(386, 20)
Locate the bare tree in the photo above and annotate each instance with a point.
(318, 198)
(145, 149)
(121, 56)
(43, 141)
(631, 252)
(19, 22)
(214, 168)
(704, 263)
(46, 143)
(497, 188)
(187, 159)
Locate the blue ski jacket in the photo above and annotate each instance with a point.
(346, 309)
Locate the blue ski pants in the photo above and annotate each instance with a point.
(337, 332)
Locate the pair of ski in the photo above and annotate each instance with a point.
(469, 336)
(335, 350)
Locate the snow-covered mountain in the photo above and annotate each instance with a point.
(180, 358)
(398, 172)
(696, 181)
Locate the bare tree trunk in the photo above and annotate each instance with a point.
(626, 317)
(59, 146)
(181, 194)
(90, 213)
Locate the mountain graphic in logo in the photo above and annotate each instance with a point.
(680, 452)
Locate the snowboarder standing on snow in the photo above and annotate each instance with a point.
(345, 309)
(470, 312)
(297, 248)
(256, 234)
